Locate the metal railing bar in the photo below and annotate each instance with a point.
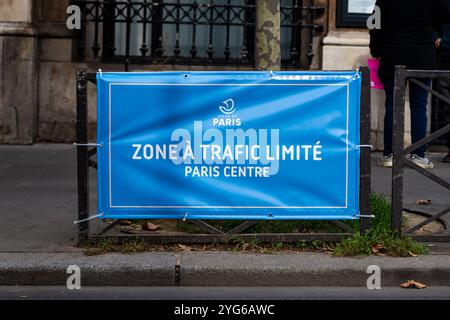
(343, 226)
(207, 227)
(365, 153)
(426, 216)
(435, 135)
(82, 155)
(242, 227)
(93, 164)
(398, 143)
(108, 227)
(433, 92)
(92, 77)
(92, 152)
(427, 173)
(428, 221)
(435, 74)
(227, 238)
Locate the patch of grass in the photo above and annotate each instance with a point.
(251, 246)
(111, 245)
(268, 226)
(293, 227)
(133, 247)
(379, 239)
(278, 246)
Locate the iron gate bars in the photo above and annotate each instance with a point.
(202, 32)
(402, 76)
(86, 152)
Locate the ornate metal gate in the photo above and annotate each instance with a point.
(202, 32)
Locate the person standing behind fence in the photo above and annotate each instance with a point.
(407, 37)
(443, 85)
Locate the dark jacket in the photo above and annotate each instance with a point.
(444, 34)
(407, 34)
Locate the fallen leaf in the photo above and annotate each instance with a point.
(185, 248)
(412, 254)
(150, 226)
(136, 226)
(377, 247)
(125, 222)
(423, 202)
(411, 284)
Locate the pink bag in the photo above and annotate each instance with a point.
(375, 82)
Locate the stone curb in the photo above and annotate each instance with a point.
(219, 269)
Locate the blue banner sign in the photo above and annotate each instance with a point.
(229, 145)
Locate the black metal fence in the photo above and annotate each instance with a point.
(85, 160)
(402, 76)
(202, 32)
(439, 111)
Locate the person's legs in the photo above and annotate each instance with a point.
(387, 159)
(418, 100)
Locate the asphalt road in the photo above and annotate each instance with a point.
(218, 293)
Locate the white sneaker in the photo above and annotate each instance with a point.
(422, 162)
(386, 161)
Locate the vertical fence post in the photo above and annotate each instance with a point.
(398, 148)
(365, 162)
(82, 156)
(81, 33)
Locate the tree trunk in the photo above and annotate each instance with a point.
(268, 31)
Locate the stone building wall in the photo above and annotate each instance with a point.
(38, 67)
(18, 70)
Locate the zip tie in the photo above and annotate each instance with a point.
(185, 216)
(364, 146)
(271, 74)
(100, 71)
(89, 219)
(363, 216)
(100, 145)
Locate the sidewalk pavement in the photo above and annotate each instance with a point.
(37, 238)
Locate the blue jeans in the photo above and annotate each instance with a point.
(418, 100)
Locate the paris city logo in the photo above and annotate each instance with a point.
(227, 118)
